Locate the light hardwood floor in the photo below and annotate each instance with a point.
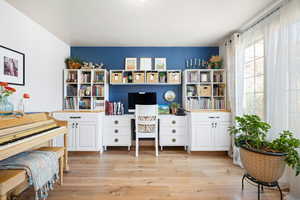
(174, 175)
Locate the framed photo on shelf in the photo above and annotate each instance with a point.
(160, 63)
(145, 63)
(12, 66)
(130, 63)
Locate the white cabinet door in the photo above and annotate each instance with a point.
(71, 136)
(202, 135)
(221, 135)
(86, 136)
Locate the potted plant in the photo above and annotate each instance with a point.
(73, 63)
(6, 108)
(263, 159)
(174, 107)
(215, 62)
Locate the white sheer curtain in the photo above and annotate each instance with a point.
(281, 35)
(230, 52)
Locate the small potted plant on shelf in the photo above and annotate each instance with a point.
(174, 106)
(73, 63)
(263, 159)
(215, 62)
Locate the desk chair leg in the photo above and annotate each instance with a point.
(156, 147)
(136, 147)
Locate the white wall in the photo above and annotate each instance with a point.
(44, 59)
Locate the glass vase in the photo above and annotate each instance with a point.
(6, 108)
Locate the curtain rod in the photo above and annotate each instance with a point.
(264, 15)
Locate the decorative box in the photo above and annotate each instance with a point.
(116, 77)
(174, 77)
(152, 77)
(138, 77)
(204, 90)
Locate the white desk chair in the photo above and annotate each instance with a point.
(146, 125)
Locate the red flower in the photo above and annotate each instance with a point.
(26, 96)
(3, 84)
(10, 89)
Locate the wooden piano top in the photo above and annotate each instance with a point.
(26, 119)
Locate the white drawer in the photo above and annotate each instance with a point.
(117, 121)
(117, 130)
(172, 131)
(77, 116)
(212, 116)
(172, 140)
(112, 140)
(171, 120)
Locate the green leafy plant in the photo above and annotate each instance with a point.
(74, 59)
(175, 105)
(250, 131)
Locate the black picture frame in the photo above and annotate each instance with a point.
(5, 78)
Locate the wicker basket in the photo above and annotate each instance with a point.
(264, 166)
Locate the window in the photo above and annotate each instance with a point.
(254, 79)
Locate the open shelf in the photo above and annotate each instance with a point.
(204, 89)
(85, 89)
(145, 77)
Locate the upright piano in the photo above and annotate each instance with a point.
(29, 131)
(19, 134)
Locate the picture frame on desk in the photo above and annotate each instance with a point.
(131, 64)
(12, 66)
(160, 63)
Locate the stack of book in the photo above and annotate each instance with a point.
(71, 90)
(195, 103)
(193, 77)
(219, 104)
(218, 77)
(72, 77)
(218, 90)
(114, 108)
(99, 77)
(86, 78)
(71, 103)
(98, 104)
(98, 90)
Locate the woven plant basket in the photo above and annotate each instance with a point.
(73, 65)
(263, 166)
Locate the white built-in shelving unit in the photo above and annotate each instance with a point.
(85, 89)
(145, 77)
(204, 89)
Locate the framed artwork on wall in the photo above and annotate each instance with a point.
(160, 63)
(130, 63)
(12, 66)
(145, 63)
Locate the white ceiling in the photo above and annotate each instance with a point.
(141, 22)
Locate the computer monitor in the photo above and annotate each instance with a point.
(140, 98)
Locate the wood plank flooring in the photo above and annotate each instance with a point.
(174, 175)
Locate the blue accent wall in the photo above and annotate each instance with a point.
(114, 58)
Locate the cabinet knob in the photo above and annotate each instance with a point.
(173, 122)
(116, 140)
(173, 140)
(116, 121)
(116, 131)
(174, 131)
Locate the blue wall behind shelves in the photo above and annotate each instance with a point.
(114, 58)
